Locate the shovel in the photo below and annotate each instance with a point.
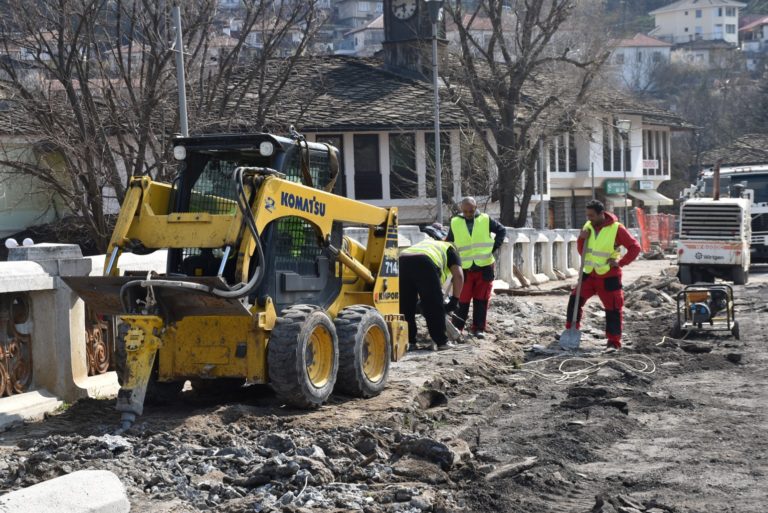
(571, 338)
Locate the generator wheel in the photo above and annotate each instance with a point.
(677, 330)
(303, 356)
(735, 330)
(365, 351)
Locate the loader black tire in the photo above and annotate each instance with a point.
(365, 351)
(303, 356)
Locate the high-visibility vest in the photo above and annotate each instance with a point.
(599, 249)
(476, 248)
(437, 251)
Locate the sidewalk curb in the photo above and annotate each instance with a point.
(84, 491)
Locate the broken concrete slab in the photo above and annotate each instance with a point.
(84, 491)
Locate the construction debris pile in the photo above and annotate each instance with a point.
(240, 467)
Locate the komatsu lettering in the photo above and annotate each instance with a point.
(310, 206)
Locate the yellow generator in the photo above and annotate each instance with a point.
(261, 285)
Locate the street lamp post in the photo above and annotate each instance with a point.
(434, 6)
(624, 125)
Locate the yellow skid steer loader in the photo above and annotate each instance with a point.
(261, 284)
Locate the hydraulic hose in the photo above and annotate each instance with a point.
(236, 291)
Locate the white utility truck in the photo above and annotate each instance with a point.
(714, 240)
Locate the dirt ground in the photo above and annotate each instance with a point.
(507, 424)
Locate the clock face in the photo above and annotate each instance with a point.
(404, 9)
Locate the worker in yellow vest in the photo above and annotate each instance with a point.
(599, 243)
(424, 268)
(471, 232)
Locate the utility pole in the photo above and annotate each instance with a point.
(180, 82)
(434, 16)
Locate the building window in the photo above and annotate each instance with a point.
(562, 154)
(730, 11)
(363, 6)
(337, 141)
(619, 58)
(445, 163)
(686, 13)
(699, 32)
(657, 57)
(719, 11)
(475, 180)
(730, 29)
(685, 29)
(379, 7)
(367, 172)
(655, 153)
(698, 13)
(617, 153)
(403, 180)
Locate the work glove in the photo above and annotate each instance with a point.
(451, 305)
(488, 274)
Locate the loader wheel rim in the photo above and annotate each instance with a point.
(374, 354)
(319, 357)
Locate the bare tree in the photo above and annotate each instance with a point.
(96, 82)
(528, 81)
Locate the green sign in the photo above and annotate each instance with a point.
(615, 187)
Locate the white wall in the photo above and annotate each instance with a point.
(672, 26)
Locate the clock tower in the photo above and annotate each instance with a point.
(408, 38)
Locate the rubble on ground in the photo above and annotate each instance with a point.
(371, 469)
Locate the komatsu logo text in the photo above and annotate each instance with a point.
(310, 206)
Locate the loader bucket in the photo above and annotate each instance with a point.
(102, 294)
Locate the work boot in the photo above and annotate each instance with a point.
(412, 347)
(479, 334)
(447, 345)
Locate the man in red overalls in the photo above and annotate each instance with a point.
(602, 236)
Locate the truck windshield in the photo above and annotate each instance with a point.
(758, 183)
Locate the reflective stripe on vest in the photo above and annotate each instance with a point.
(600, 249)
(476, 248)
(437, 251)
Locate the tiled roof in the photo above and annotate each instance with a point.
(748, 149)
(339, 93)
(335, 93)
(642, 41)
(757, 23)
(376, 24)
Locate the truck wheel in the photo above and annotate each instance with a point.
(677, 330)
(685, 275)
(739, 276)
(303, 356)
(365, 351)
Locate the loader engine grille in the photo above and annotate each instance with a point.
(710, 221)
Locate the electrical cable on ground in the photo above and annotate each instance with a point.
(566, 374)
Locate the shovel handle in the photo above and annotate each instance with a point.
(577, 299)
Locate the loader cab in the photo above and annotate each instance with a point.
(298, 268)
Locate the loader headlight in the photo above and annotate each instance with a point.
(179, 152)
(266, 149)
